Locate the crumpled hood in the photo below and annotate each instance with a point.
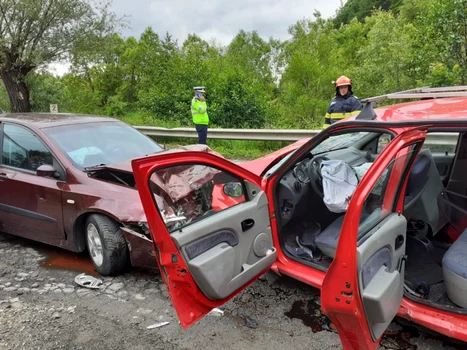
(126, 165)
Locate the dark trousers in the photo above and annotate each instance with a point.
(202, 133)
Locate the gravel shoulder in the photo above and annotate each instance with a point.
(42, 308)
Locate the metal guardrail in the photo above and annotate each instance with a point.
(438, 138)
(232, 134)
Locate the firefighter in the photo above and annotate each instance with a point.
(344, 104)
(200, 114)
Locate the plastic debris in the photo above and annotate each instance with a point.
(216, 312)
(87, 281)
(158, 325)
(250, 323)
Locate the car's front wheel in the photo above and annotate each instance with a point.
(106, 245)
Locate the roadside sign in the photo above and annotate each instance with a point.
(53, 108)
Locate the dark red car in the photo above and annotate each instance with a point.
(66, 180)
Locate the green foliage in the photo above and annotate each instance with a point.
(385, 57)
(360, 9)
(441, 42)
(382, 45)
(37, 32)
(116, 107)
(45, 90)
(305, 88)
(238, 102)
(4, 102)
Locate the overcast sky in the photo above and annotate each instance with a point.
(220, 19)
(215, 19)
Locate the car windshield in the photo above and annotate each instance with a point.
(338, 141)
(93, 144)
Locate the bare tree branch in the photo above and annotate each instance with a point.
(37, 32)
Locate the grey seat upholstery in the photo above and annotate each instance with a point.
(418, 178)
(455, 271)
(327, 240)
(423, 187)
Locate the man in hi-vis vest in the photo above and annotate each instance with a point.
(200, 114)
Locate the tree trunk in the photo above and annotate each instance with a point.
(18, 91)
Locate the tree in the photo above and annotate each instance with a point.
(38, 32)
(385, 58)
(45, 90)
(362, 8)
(313, 61)
(4, 105)
(441, 47)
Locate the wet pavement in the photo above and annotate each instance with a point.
(42, 308)
(65, 260)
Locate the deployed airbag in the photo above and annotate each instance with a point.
(339, 184)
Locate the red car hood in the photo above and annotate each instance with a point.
(257, 166)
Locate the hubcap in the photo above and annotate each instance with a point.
(95, 245)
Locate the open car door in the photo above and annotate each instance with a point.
(363, 287)
(209, 222)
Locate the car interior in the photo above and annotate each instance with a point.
(435, 212)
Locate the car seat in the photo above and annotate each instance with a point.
(424, 185)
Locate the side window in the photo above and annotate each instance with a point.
(185, 194)
(22, 149)
(380, 201)
(441, 142)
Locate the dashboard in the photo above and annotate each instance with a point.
(294, 188)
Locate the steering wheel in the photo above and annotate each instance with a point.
(316, 178)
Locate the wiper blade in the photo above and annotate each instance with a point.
(93, 167)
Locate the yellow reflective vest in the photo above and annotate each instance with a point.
(199, 111)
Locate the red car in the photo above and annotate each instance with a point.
(366, 211)
(66, 180)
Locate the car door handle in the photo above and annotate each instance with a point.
(247, 224)
(399, 242)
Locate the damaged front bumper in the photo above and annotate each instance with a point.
(140, 245)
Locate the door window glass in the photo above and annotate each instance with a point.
(380, 201)
(187, 193)
(441, 142)
(22, 149)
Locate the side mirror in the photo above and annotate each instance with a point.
(233, 189)
(46, 170)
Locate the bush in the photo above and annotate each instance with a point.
(116, 107)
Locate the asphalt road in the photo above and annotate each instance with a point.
(42, 308)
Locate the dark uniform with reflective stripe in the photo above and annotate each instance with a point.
(342, 107)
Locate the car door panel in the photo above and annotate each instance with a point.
(220, 255)
(207, 261)
(381, 282)
(33, 205)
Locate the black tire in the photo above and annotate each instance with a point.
(115, 254)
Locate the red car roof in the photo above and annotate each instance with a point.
(431, 109)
